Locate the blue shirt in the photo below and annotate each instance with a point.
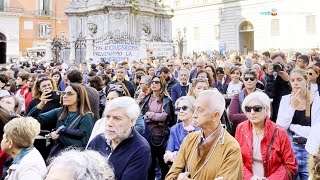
(177, 134)
(131, 159)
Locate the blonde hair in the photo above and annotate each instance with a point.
(22, 131)
(314, 166)
(303, 73)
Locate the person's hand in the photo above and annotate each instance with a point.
(295, 99)
(284, 75)
(184, 176)
(270, 70)
(167, 156)
(44, 99)
(54, 135)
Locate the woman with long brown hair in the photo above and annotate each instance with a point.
(158, 113)
(74, 121)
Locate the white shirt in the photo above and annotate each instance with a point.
(233, 89)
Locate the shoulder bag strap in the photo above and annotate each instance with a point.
(269, 151)
(74, 121)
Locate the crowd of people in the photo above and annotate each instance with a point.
(253, 117)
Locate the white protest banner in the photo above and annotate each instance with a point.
(114, 52)
(161, 48)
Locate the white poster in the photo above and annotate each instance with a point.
(161, 49)
(115, 52)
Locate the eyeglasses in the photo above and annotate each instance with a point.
(247, 78)
(155, 82)
(200, 80)
(69, 93)
(185, 63)
(256, 108)
(184, 108)
(8, 85)
(170, 65)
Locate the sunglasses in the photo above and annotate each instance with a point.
(69, 93)
(170, 65)
(155, 82)
(184, 108)
(256, 108)
(247, 78)
(115, 87)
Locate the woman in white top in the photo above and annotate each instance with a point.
(298, 112)
(18, 138)
(313, 76)
(235, 85)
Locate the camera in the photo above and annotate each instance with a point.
(55, 95)
(278, 67)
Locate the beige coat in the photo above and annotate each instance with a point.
(226, 160)
(31, 167)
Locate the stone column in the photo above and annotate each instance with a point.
(89, 49)
(72, 56)
(48, 58)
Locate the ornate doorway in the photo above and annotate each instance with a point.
(246, 37)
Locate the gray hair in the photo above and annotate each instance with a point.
(216, 100)
(86, 164)
(259, 96)
(184, 69)
(132, 109)
(190, 100)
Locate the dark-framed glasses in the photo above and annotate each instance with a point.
(68, 93)
(155, 82)
(256, 108)
(184, 108)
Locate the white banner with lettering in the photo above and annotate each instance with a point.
(161, 48)
(115, 52)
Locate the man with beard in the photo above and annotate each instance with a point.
(180, 89)
(166, 74)
(121, 144)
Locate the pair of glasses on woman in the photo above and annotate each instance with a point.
(256, 108)
(116, 87)
(199, 80)
(247, 78)
(183, 108)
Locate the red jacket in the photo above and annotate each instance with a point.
(282, 159)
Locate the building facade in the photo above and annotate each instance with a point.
(247, 25)
(110, 22)
(25, 25)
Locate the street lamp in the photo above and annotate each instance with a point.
(179, 42)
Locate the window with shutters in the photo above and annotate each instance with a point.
(44, 7)
(311, 24)
(275, 27)
(43, 30)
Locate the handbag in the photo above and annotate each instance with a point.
(58, 146)
(159, 135)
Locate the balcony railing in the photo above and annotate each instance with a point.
(11, 9)
(44, 13)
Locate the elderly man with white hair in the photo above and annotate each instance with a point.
(124, 147)
(211, 153)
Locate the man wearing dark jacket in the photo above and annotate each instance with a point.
(75, 76)
(127, 151)
(277, 83)
(180, 89)
(121, 73)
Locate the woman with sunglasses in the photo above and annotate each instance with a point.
(158, 113)
(198, 85)
(184, 110)
(236, 115)
(265, 147)
(298, 113)
(74, 120)
(314, 78)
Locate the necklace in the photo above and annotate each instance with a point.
(211, 153)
